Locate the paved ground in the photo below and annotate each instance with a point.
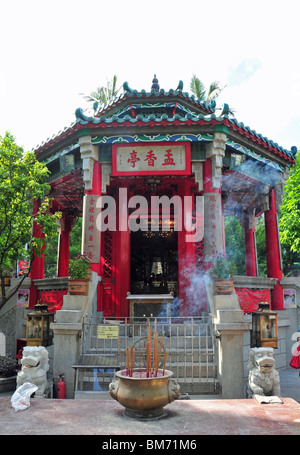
(200, 416)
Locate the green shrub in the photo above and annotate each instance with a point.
(7, 366)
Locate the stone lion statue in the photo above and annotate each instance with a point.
(35, 364)
(263, 379)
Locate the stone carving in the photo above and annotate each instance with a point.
(89, 154)
(263, 378)
(35, 364)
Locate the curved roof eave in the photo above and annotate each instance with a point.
(235, 129)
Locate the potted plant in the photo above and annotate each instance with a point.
(8, 367)
(7, 273)
(223, 272)
(79, 274)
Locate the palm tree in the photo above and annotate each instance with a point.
(103, 95)
(198, 89)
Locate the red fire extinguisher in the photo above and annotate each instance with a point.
(61, 388)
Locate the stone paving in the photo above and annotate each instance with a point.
(200, 416)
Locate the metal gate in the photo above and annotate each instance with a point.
(189, 344)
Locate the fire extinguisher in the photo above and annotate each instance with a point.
(61, 388)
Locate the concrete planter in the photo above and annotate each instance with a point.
(223, 286)
(8, 384)
(78, 287)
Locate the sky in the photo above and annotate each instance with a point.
(53, 51)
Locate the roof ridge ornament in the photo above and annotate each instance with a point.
(155, 85)
(180, 86)
(126, 88)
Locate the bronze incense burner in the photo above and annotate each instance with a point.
(145, 391)
(144, 397)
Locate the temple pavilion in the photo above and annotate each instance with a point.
(165, 144)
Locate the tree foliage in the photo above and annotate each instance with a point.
(198, 89)
(235, 243)
(289, 223)
(23, 180)
(103, 95)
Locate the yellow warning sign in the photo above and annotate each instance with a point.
(108, 332)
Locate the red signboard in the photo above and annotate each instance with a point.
(151, 158)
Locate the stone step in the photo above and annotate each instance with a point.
(174, 355)
(187, 371)
(210, 387)
(98, 383)
(174, 342)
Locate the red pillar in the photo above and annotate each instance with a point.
(186, 252)
(64, 247)
(97, 183)
(122, 259)
(250, 252)
(37, 264)
(273, 253)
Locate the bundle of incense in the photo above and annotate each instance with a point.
(165, 361)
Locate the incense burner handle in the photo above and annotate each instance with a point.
(113, 388)
(173, 389)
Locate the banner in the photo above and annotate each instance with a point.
(250, 298)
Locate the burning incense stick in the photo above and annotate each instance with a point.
(148, 359)
(140, 350)
(165, 361)
(159, 354)
(127, 361)
(155, 351)
(120, 355)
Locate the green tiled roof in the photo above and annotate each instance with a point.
(160, 107)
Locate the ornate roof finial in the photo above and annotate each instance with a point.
(155, 85)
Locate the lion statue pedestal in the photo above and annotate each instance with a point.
(263, 378)
(35, 364)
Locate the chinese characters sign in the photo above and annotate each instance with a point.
(213, 224)
(150, 158)
(91, 235)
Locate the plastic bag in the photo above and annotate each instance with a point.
(21, 398)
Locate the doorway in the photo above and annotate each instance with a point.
(154, 262)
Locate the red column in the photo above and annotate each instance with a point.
(97, 183)
(250, 252)
(186, 252)
(64, 247)
(122, 259)
(37, 264)
(273, 253)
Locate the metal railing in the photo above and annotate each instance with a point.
(189, 342)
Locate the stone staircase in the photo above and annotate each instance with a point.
(191, 356)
